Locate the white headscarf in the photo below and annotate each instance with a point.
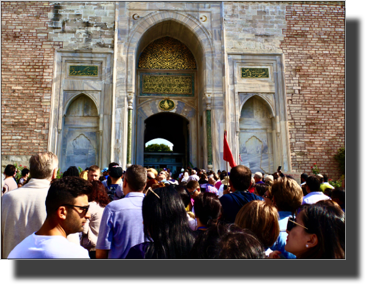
(185, 177)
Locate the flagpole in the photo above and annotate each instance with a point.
(228, 182)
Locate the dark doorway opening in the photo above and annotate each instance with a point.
(173, 128)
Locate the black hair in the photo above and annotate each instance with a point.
(227, 241)
(166, 225)
(207, 208)
(64, 191)
(71, 171)
(240, 177)
(261, 189)
(185, 195)
(325, 177)
(328, 192)
(338, 195)
(304, 176)
(24, 171)
(10, 170)
(325, 219)
(314, 183)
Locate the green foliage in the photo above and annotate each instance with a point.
(59, 173)
(80, 170)
(315, 169)
(19, 168)
(157, 148)
(337, 183)
(340, 157)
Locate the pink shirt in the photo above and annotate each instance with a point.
(9, 184)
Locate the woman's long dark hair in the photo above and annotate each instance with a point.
(166, 225)
(207, 208)
(326, 220)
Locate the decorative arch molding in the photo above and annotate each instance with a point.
(192, 24)
(245, 97)
(154, 18)
(70, 100)
(149, 108)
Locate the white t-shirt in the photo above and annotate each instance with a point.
(314, 197)
(47, 247)
(194, 177)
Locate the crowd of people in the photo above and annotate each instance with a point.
(142, 213)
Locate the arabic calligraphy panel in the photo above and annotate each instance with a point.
(166, 84)
(83, 70)
(254, 73)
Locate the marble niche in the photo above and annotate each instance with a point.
(255, 137)
(80, 134)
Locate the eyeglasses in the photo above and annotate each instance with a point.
(291, 224)
(83, 208)
(195, 190)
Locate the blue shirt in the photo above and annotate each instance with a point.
(233, 202)
(121, 226)
(281, 240)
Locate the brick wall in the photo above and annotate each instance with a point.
(27, 71)
(313, 46)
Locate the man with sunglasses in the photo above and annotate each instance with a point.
(67, 212)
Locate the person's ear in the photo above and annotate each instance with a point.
(54, 175)
(313, 241)
(62, 213)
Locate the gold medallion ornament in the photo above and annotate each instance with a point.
(166, 105)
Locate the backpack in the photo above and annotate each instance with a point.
(111, 189)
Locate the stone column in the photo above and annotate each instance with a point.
(207, 98)
(130, 98)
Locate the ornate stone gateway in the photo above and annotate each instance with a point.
(173, 71)
(166, 100)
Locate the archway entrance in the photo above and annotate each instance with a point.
(173, 128)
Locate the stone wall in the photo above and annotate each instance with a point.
(254, 26)
(314, 52)
(27, 72)
(83, 25)
(309, 34)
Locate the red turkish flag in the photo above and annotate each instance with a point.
(227, 154)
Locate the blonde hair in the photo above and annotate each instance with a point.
(154, 171)
(84, 174)
(287, 194)
(42, 165)
(260, 219)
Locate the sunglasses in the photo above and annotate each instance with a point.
(83, 209)
(292, 223)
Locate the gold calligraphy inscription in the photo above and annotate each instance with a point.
(181, 85)
(83, 70)
(254, 73)
(167, 54)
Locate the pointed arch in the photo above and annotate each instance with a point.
(197, 39)
(267, 102)
(75, 97)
